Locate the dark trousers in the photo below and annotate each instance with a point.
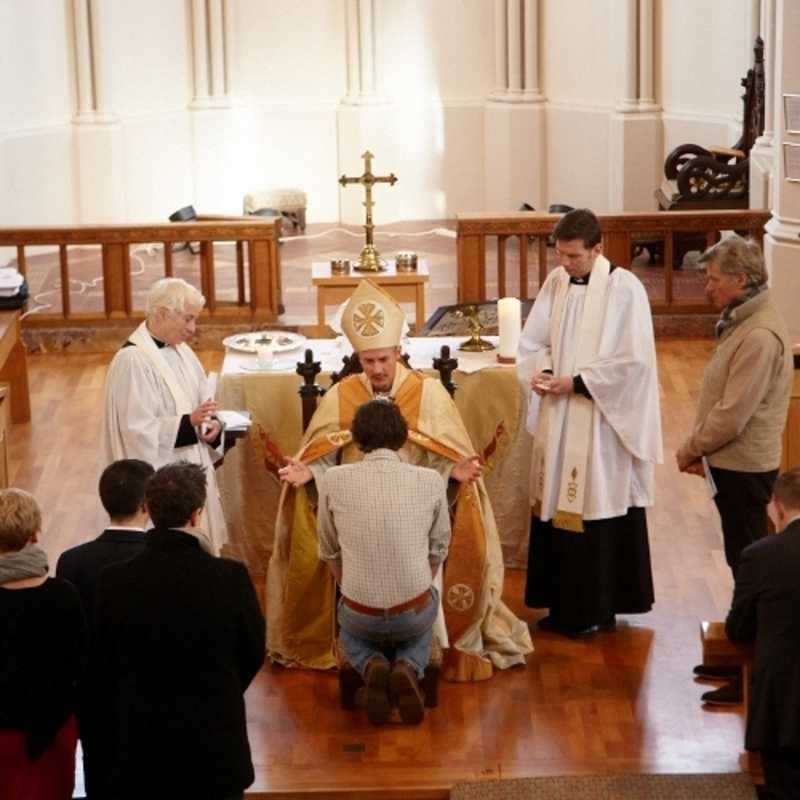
(742, 499)
(782, 772)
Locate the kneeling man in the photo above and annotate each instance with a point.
(384, 530)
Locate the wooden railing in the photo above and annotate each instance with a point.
(258, 279)
(621, 234)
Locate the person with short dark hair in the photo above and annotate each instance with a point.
(42, 641)
(741, 409)
(384, 530)
(121, 489)
(766, 610)
(587, 356)
(179, 638)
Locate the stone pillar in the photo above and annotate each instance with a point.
(514, 133)
(98, 136)
(219, 126)
(762, 157)
(635, 142)
(782, 241)
(365, 120)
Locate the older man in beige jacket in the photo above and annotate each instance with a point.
(742, 407)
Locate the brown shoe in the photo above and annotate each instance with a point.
(406, 693)
(376, 694)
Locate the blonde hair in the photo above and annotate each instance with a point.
(20, 518)
(173, 294)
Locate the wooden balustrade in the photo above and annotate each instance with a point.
(257, 272)
(622, 233)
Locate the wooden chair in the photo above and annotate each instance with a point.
(717, 177)
(311, 391)
(720, 651)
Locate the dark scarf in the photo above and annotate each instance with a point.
(726, 318)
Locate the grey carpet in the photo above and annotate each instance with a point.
(723, 786)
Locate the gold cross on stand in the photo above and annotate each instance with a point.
(370, 259)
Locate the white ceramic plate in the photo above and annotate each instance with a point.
(275, 366)
(281, 341)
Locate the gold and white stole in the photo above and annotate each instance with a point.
(572, 480)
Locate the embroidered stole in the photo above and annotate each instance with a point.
(572, 479)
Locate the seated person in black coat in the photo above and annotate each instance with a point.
(42, 640)
(179, 636)
(121, 490)
(766, 609)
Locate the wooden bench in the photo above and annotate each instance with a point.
(14, 366)
(720, 651)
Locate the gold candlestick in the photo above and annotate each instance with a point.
(474, 344)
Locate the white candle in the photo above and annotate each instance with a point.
(509, 323)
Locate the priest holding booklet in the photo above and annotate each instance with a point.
(588, 355)
(159, 405)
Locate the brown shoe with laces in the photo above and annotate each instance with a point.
(406, 694)
(376, 692)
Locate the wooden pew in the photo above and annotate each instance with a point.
(14, 366)
(719, 651)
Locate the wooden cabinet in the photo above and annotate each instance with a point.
(791, 434)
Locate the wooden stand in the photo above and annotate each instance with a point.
(14, 366)
(405, 287)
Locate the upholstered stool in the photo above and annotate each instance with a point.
(350, 682)
(291, 203)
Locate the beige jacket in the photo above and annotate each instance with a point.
(744, 399)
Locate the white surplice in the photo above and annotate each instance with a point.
(621, 376)
(148, 389)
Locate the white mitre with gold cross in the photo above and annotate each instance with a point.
(372, 319)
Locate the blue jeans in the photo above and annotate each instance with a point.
(408, 635)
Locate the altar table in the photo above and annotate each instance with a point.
(488, 396)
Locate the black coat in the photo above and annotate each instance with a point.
(81, 565)
(766, 609)
(180, 635)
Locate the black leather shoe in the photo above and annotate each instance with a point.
(582, 633)
(728, 695)
(716, 673)
(548, 624)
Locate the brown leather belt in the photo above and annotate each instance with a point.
(415, 604)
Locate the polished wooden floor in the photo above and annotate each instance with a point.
(621, 702)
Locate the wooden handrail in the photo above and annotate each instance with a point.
(620, 233)
(257, 237)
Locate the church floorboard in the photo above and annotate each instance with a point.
(621, 702)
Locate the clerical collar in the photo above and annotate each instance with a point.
(157, 342)
(580, 281)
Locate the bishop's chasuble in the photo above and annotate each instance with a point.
(482, 631)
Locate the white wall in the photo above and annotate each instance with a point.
(281, 122)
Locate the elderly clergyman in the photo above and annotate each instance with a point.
(156, 405)
(742, 407)
(483, 632)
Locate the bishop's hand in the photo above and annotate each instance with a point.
(468, 470)
(295, 473)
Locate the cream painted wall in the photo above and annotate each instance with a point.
(283, 125)
(582, 62)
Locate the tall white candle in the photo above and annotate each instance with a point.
(509, 323)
